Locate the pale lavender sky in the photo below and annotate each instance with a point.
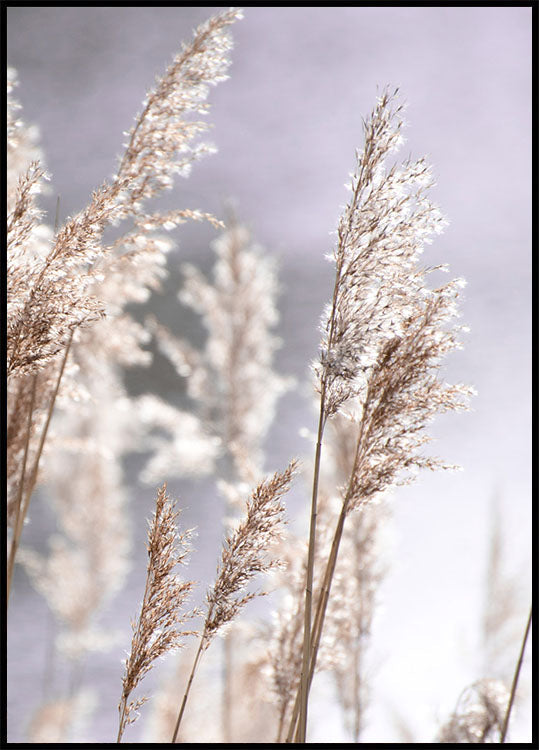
(286, 125)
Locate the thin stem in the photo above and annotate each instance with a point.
(57, 215)
(17, 525)
(226, 707)
(188, 688)
(135, 646)
(304, 689)
(280, 727)
(33, 478)
(326, 585)
(21, 516)
(48, 420)
(305, 679)
(325, 591)
(319, 619)
(515, 679)
(121, 725)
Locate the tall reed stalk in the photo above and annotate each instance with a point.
(51, 291)
(306, 652)
(516, 676)
(246, 553)
(384, 335)
(157, 630)
(25, 494)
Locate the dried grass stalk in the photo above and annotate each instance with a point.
(49, 299)
(56, 286)
(232, 380)
(478, 716)
(157, 630)
(384, 336)
(246, 553)
(516, 677)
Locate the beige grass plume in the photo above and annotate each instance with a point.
(161, 144)
(232, 381)
(359, 571)
(55, 288)
(478, 716)
(384, 336)
(158, 628)
(247, 552)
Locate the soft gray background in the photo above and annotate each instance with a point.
(286, 125)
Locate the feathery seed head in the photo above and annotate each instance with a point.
(479, 714)
(247, 551)
(386, 333)
(157, 630)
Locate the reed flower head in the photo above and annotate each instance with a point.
(479, 714)
(380, 236)
(162, 141)
(158, 628)
(88, 558)
(179, 442)
(232, 380)
(245, 552)
(48, 300)
(55, 288)
(22, 141)
(384, 335)
(386, 332)
(62, 720)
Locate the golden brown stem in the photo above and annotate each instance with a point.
(23, 506)
(316, 634)
(304, 683)
(515, 679)
(18, 523)
(319, 619)
(188, 688)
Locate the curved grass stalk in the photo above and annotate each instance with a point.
(16, 532)
(188, 689)
(23, 505)
(305, 682)
(515, 679)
